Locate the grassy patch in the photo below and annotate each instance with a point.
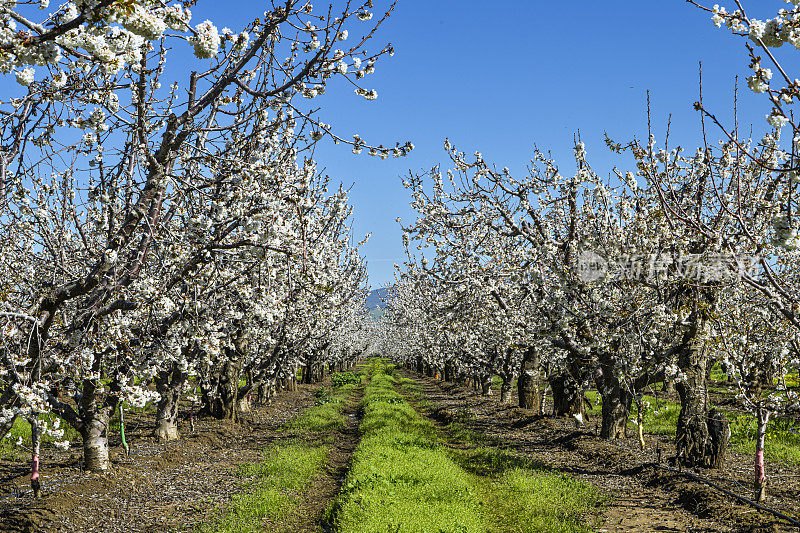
(273, 488)
(403, 479)
(522, 495)
(16, 444)
(326, 415)
(782, 443)
(340, 379)
(525, 501)
(661, 418)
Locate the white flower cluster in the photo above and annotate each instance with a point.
(144, 23)
(368, 95)
(786, 233)
(33, 398)
(24, 76)
(206, 40)
(137, 396)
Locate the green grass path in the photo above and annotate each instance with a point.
(273, 489)
(404, 478)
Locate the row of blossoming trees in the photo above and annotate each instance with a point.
(575, 280)
(164, 227)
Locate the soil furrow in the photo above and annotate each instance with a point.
(156, 488)
(326, 486)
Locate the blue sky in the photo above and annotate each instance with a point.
(500, 77)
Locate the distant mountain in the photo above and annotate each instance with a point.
(376, 298)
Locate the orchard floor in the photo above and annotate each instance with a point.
(641, 498)
(177, 486)
(158, 487)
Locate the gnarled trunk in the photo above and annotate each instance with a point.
(486, 385)
(505, 388)
(244, 404)
(220, 397)
(616, 399)
(614, 417)
(567, 396)
(449, 371)
(701, 437)
(169, 384)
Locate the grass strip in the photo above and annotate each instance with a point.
(404, 479)
(273, 489)
(518, 493)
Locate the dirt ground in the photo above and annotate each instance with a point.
(324, 487)
(157, 487)
(642, 498)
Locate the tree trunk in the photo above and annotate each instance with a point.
(543, 398)
(700, 439)
(567, 396)
(244, 404)
(448, 371)
(530, 395)
(36, 441)
(95, 441)
(262, 397)
(307, 378)
(614, 416)
(616, 401)
(223, 406)
(505, 389)
(169, 384)
(760, 485)
(92, 422)
(486, 385)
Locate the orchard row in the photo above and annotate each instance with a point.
(165, 230)
(576, 280)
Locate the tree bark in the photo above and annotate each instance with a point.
(486, 385)
(95, 441)
(614, 416)
(449, 374)
(169, 384)
(505, 389)
(528, 390)
(567, 396)
(695, 442)
(760, 485)
(36, 441)
(244, 404)
(223, 405)
(616, 399)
